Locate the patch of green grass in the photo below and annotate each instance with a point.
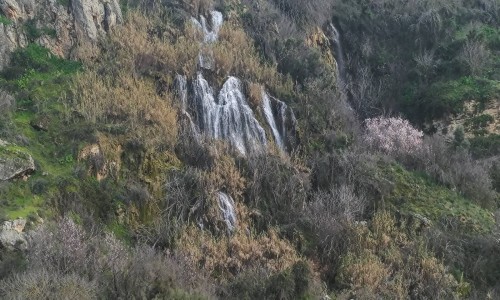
(4, 20)
(415, 193)
(39, 80)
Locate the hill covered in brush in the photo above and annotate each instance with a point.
(271, 149)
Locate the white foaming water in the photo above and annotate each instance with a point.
(181, 89)
(210, 33)
(229, 117)
(277, 114)
(268, 113)
(226, 206)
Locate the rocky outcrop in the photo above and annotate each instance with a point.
(95, 17)
(14, 163)
(6, 102)
(54, 25)
(12, 236)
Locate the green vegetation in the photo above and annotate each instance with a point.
(485, 146)
(449, 97)
(33, 32)
(417, 194)
(41, 79)
(4, 20)
(123, 186)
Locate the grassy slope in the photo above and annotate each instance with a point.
(40, 80)
(414, 193)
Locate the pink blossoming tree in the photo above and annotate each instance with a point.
(393, 136)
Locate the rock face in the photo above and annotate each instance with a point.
(6, 102)
(12, 236)
(54, 25)
(14, 163)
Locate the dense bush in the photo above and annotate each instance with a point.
(66, 261)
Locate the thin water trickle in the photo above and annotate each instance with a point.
(226, 206)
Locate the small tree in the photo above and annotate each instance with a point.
(393, 136)
(476, 56)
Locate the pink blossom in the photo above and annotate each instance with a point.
(393, 136)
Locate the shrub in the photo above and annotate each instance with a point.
(275, 188)
(476, 56)
(43, 284)
(388, 259)
(330, 214)
(65, 248)
(457, 169)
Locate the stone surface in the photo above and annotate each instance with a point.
(14, 163)
(6, 102)
(12, 236)
(60, 28)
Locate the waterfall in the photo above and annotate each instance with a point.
(210, 33)
(226, 206)
(229, 117)
(268, 113)
(337, 49)
(280, 119)
(226, 115)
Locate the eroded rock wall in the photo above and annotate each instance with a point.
(54, 24)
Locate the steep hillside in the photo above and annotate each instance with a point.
(271, 149)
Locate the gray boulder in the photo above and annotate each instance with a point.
(12, 236)
(14, 163)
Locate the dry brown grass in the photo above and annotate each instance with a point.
(254, 92)
(125, 101)
(384, 261)
(198, 7)
(224, 257)
(234, 54)
(224, 175)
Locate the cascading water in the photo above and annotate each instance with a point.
(229, 117)
(181, 89)
(226, 206)
(337, 49)
(280, 118)
(268, 113)
(210, 33)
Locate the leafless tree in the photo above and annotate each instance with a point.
(476, 56)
